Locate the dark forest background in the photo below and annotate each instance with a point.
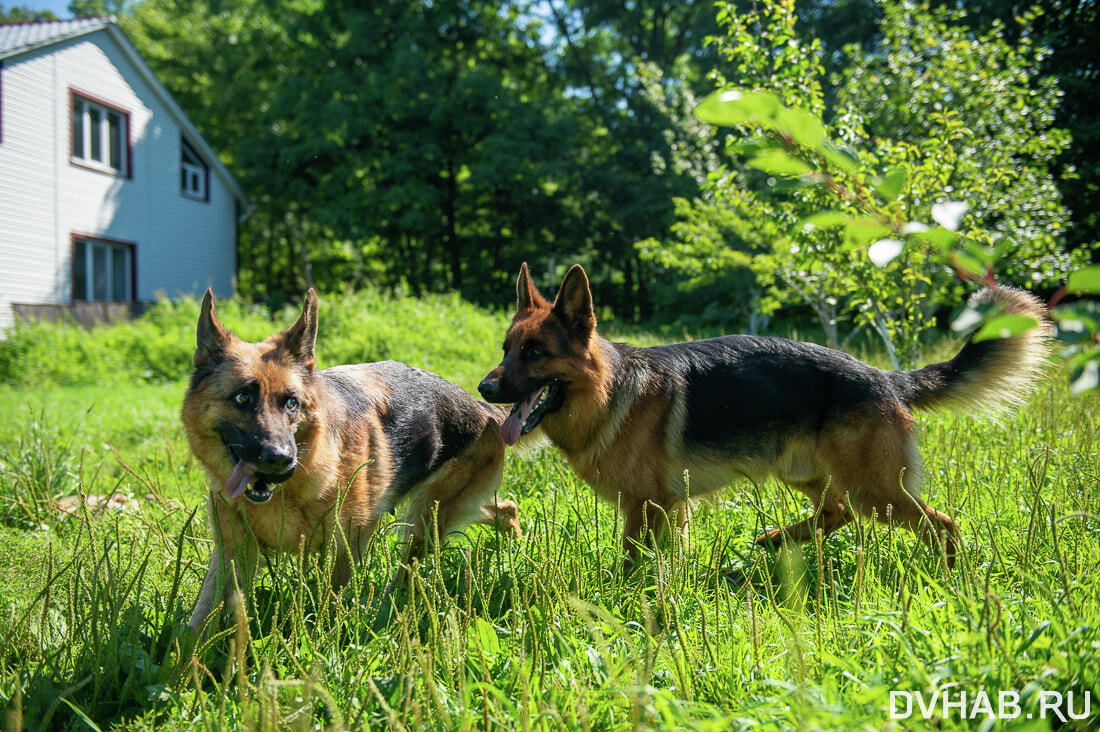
(433, 145)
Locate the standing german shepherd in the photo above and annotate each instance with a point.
(298, 456)
(631, 420)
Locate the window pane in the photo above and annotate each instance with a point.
(99, 273)
(78, 128)
(80, 272)
(187, 156)
(118, 274)
(115, 140)
(96, 133)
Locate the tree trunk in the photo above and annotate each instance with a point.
(450, 202)
(645, 307)
(628, 289)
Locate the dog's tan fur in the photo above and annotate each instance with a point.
(623, 418)
(344, 460)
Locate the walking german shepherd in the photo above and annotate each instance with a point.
(298, 456)
(632, 421)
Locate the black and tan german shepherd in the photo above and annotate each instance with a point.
(301, 456)
(635, 422)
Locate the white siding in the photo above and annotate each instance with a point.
(29, 225)
(182, 245)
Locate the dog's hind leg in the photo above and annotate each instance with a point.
(830, 514)
(458, 494)
(934, 527)
(882, 471)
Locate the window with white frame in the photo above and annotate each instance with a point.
(102, 270)
(193, 172)
(100, 136)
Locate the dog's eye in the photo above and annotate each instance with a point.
(291, 404)
(532, 353)
(242, 399)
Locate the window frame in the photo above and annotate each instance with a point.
(187, 168)
(90, 243)
(125, 146)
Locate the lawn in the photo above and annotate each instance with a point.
(547, 631)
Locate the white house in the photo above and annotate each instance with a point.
(108, 194)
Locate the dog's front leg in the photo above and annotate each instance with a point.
(646, 521)
(349, 544)
(232, 565)
(210, 590)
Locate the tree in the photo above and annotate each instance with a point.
(23, 14)
(630, 68)
(418, 136)
(818, 259)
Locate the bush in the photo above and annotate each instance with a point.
(440, 333)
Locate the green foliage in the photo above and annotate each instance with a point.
(23, 14)
(852, 234)
(1079, 329)
(158, 346)
(980, 110)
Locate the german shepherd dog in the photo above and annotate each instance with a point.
(634, 422)
(302, 458)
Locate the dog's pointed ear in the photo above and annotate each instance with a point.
(527, 295)
(212, 337)
(301, 337)
(573, 303)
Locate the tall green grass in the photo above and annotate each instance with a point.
(432, 332)
(544, 632)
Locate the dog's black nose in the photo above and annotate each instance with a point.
(489, 388)
(275, 459)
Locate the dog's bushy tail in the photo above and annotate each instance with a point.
(990, 376)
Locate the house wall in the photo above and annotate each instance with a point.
(181, 245)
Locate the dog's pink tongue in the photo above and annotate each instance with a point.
(242, 475)
(512, 427)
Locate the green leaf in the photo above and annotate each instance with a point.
(736, 107)
(1087, 380)
(981, 253)
(762, 105)
(825, 220)
(884, 251)
(486, 636)
(752, 146)
(803, 127)
(1004, 326)
(862, 230)
(777, 162)
(838, 158)
(938, 237)
(891, 184)
(1085, 281)
(968, 263)
(967, 319)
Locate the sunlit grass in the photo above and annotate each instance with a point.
(544, 632)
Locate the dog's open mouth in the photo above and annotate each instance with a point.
(525, 415)
(254, 485)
